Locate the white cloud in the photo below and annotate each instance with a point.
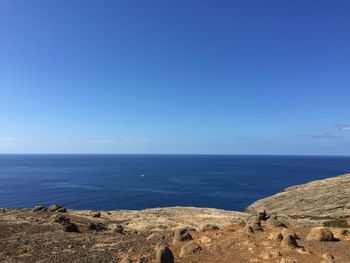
(335, 132)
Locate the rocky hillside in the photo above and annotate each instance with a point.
(318, 200)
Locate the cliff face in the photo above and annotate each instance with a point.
(322, 199)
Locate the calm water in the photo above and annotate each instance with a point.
(143, 181)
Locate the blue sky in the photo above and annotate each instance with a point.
(240, 77)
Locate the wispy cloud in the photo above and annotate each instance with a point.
(117, 141)
(341, 131)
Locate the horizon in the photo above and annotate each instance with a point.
(172, 78)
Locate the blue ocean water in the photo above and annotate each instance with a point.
(143, 181)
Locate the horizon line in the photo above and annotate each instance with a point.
(204, 154)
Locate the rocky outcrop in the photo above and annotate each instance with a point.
(318, 200)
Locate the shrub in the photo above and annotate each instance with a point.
(337, 223)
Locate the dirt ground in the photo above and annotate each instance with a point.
(27, 236)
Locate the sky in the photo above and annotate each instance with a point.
(175, 77)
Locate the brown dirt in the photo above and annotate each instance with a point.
(27, 236)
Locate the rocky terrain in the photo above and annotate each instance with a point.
(312, 230)
(312, 202)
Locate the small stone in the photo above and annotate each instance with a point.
(255, 223)
(119, 229)
(256, 227)
(249, 230)
(320, 234)
(189, 249)
(54, 207)
(97, 226)
(60, 219)
(205, 240)
(38, 208)
(276, 236)
(96, 214)
(71, 227)
(289, 241)
(62, 210)
(263, 215)
(181, 235)
(164, 255)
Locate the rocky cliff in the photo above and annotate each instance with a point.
(318, 200)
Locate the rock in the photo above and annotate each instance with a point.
(328, 258)
(71, 227)
(320, 234)
(181, 235)
(205, 240)
(119, 229)
(276, 236)
(209, 227)
(60, 219)
(54, 207)
(289, 241)
(38, 208)
(96, 214)
(263, 215)
(189, 249)
(164, 255)
(97, 226)
(62, 210)
(289, 232)
(254, 223)
(249, 230)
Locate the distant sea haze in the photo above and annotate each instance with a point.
(110, 182)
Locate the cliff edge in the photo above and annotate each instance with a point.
(318, 200)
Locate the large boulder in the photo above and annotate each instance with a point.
(164, 255)
(189, 249)
(289, 241)
(320, 234)
(38, 208)
(54, 207)
(181, 235)
(71, 227)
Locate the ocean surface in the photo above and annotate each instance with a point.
(144, 181)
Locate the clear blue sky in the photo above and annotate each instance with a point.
(250, 77)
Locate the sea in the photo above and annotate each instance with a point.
(110, 182)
